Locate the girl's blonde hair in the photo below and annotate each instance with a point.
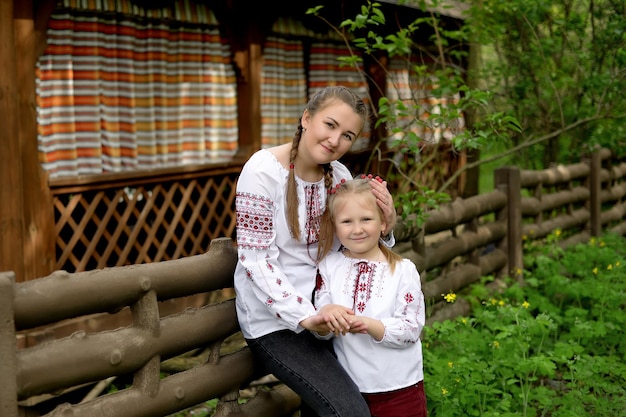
(327, 227)
(318, 102)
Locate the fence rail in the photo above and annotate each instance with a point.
(458, 245)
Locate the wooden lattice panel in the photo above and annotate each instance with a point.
(133, 224)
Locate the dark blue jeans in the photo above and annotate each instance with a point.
(308, 366)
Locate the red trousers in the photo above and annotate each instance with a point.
(405, 402)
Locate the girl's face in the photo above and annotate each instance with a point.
(329, 133)
(358, 224)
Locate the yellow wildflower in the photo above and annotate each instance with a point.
(450, 297)
(450, 364)
(525, 304)
(595, 271)
(496, 344)
(444, 391)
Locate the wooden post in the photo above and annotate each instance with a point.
(248, 57)
(39, 232)
(11, 185)
(595, 191)
(507, 180)
(8, 352)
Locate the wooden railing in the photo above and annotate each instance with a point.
(459, 243)
(41, 372)
(117, 219)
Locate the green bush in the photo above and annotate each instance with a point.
(551, 347)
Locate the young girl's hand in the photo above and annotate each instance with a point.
(358, 326)
(338, 318)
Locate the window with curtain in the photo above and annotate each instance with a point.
(404, 85)
(288, 82)
(283, 90)
(121, 88)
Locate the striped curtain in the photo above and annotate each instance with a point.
(326, 69)
(121, 88)
(283, 90)
(416, 94)
(288, 84)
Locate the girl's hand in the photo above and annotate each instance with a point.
(315, 324)
(338, 318)
(359, 326)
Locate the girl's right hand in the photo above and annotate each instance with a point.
(339, 319)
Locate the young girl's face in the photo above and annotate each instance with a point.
(358, 224)
(330, 132)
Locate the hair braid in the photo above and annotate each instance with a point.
(292, 192)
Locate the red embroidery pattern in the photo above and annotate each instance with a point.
(408, 298)
(255, 221)
(363, 285)
(313, 213)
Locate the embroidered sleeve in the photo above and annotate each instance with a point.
(405, 327)
(255, 221)
(259, 188)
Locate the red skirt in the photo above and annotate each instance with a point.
(405, 402)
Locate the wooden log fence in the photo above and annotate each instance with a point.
(459, 244)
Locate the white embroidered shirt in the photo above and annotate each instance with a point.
(275, 274)
(396, 299)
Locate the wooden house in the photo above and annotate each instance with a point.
(125, 122)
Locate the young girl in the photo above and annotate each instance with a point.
(281, 195)
(382, 351)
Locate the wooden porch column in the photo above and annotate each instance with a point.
(250, 62)
(11, 186)
(38, 213)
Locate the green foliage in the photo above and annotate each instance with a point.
(549, 88)
(552, 347)
(418, 202)
(440, 97)
(558, 68)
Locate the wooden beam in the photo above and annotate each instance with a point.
(39, 233)
(11, 187)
